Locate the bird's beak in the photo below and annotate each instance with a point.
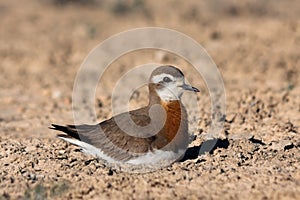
(190, 88)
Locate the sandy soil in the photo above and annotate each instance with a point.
(255, 44)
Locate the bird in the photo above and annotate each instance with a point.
(164, 126)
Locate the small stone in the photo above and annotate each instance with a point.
(61, 152)
(56, 94)
(280, 145)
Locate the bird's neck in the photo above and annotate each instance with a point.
(155, 98)
(173, 108)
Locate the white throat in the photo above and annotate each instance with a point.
(167, 94)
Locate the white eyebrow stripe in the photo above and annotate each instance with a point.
(158, 78)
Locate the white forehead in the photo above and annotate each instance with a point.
(158, 78)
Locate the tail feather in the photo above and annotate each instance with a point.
(69, 130)
(83, 142)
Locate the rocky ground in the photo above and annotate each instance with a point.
(253, 43)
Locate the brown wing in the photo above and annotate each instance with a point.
(108, 137)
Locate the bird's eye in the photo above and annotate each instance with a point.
(167, 79)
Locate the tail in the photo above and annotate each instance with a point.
(70, 130)
(83, 142)
(76, 132)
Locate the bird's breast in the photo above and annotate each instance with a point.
(175, 129)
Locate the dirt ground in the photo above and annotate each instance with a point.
(255, 45)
